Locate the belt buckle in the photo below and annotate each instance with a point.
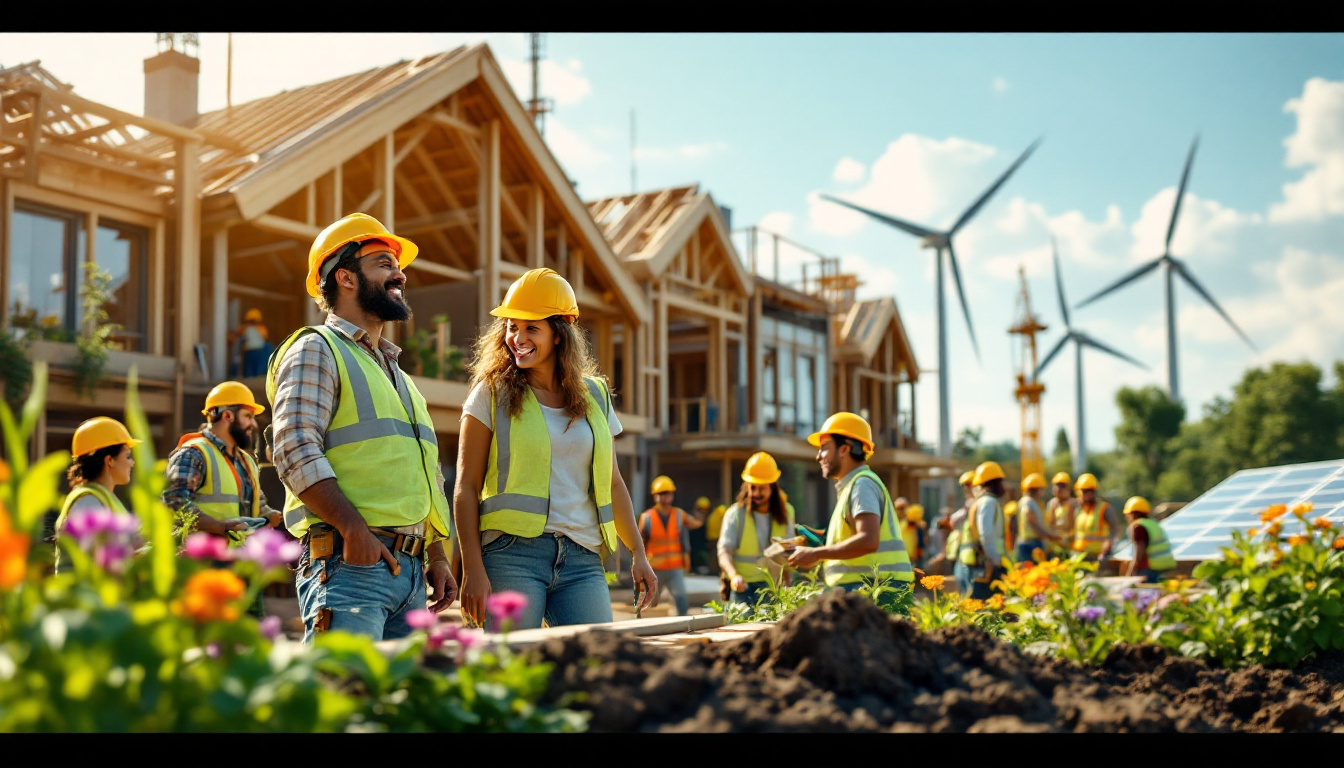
(410, 544)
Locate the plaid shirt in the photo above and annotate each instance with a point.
(307, 389)
(186, 472)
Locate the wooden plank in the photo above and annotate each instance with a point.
(188, 251)
(287, 227)
(219, 294)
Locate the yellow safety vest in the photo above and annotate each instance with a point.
(969, 544)
(378, 429)
(515, 497)
(87, 488)
(1091, 529)
(219, 495)
(890, 557)
(1024, 509)
(1159, 546)
(749, 547)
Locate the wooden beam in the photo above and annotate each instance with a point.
(386, 165)
(488, 223)
(219, 304)
(188, 250)
(156, 287)
(460, 126)
(287, 227)
(434, 268)
(700, 308)
(261, 293)
(442, 220)
(261, 250)
(536, 230)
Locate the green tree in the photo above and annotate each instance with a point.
(1145, 439)
(1061, 458)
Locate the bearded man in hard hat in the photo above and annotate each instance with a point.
(981, 546)
(1059, 513)
(1152, 549)
(1096, 526)
(863, 534)
(665, 530)
(355, 446)
(1032, 530)
(759, 514)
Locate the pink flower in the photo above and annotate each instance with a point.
(470, 638)
(441, 634)
(270, 627)
(268, 548)
(506, 606)
(111, 557)
(213, 650)
(421, 618)
(206, 546)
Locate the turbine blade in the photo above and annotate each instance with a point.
(965, 217)
(1036, 374)
(1126, 280)
(1088, 341)
(1180, 193)
(965, 308)
(1059, 286)
(1184, 272)
(913, 229)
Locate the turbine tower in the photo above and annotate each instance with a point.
(1080, 340)
(941, 241)
(1178, 267)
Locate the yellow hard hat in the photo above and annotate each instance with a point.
(1034, 480)
(1086, 482)
(915, 513)
(966, 477)
(1010, 508)
(761, 469)
(232, 393)
(1137, 504)
(847, 424)
(355, 228)
(537, 295)
(100, 432)
(990, 470)
(702, 502)
(253, 315)
(1061, 477)
(663, 483)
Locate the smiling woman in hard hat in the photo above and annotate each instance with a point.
(982, 546)
(539, 501)
(100, 460)
(1152, 549)
(1059, 513)
(759, 514)
(665, 531)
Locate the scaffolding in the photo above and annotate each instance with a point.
(824, 280)
(1028, 391)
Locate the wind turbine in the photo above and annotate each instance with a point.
(942, 241)
(1080, 340)
(1179, 267)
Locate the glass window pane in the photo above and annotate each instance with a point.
(768, 374)
(121, 252)
(806, 406)
(39, 289)
(786, 380)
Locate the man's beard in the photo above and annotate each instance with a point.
(241, 437)
(376, 302)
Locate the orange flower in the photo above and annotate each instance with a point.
(13, 556)
(995, 602)
(1298, 538)
(932, 583)
(1310, 585)
(209, 595)
(1302, 509)
(1321, 522)
(1274, 528)
(971, 604)
(4, 471)
(1078, 545)
(1275, 511)
(1253, 532)
(1339, 543)
(1038, 554)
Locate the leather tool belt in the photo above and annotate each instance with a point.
(412, 544)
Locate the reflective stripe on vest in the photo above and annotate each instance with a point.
(1159, 546)
(971, 553)
(748, 552)
(1025, 507)
(373, 432)
(103, 495)
(219, 495)
(1091, 529)
(664, 551)
(890, 557)
(515, 497)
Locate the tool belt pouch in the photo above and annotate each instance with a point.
(321, 545)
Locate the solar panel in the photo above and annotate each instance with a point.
(1200, 529)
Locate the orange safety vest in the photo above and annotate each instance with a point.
(664, 550)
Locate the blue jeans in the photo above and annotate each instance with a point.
(749, 597)
(1024, 549)
(563, 582)
(675, 581)
(1151, 576)
(364, 599)
(970, 581)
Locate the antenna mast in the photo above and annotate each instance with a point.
(537, 107)
(1028, 392)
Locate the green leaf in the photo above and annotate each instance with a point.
(37, 492)
(37, 398)
(1258, 584)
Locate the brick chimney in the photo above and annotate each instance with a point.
(172, 80)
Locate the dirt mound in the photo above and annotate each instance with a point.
(841, 664)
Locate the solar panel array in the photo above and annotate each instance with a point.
(1201, 528)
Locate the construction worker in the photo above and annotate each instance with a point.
(665, 531)
(1096, 526)
(1059, 513)
(914, 532)
(702, 555)
(540, 502)
(759, 514)
(1032, 530)
(354, 445)
(100, 460)
(1010, 518)
(213, 480)
(254, 345)
(713, 526)
(982, 546)
(1152, 549)
(862, 535)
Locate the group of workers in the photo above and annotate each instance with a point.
(539, 503)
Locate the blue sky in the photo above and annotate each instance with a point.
(917, 125)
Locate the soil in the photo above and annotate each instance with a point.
(841, 664)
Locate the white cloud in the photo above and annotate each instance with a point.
(1205, 229)
(571, 149)
(1318, 145)
(848, 171)
(1000, 85)
(779, 222)
(696, 151)
(561, 83)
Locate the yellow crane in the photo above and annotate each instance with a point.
(1028, 389)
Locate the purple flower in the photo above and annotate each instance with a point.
(213, 650)
(1089, 613)
(268, 548)
(86, 525)
(1039, 599)
(206, 546)
(270, 627)
(1091, 593)
(1128, 595)
(506, 606)
(112, 556)
(421, 618)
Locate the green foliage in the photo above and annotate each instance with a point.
(95, 330)
(422, 349)
(15, 370)
(1145, 440)
(970, 449)
(1061, 457)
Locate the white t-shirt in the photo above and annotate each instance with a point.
(573, 510)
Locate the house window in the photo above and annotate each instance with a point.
(123, 251)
